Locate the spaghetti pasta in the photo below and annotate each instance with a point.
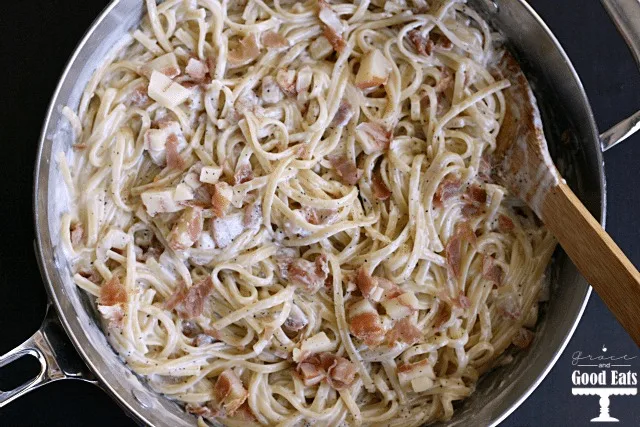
(286, 214)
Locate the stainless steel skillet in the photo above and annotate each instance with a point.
(567, 118)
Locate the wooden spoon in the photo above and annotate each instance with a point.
(524, 166)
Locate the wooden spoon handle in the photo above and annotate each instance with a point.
(596, 255)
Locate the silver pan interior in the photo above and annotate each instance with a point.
(573, 140)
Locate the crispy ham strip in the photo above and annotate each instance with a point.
(448, 188)
(423, 45)
(113, 296)
(337, 371)
(509, 308)
(273, 40)
(307, 275)
(246, 51)
(365, 282)
(77, 233)
(476, 194)
(346, 170)
(243, 174)
(505, 224)
(380, 189)
(297, 320)
(189, 302)
(343, 115)
(401, 306)
(365, 323)
(187, 230)
(229, 391)
(492, 271)
(112, 292)
(252, 215)
(523, 338)
(442, 316)
(225, 230)
(373, 137)
(463, 233)
(404, 331)
(332, 27)
(476, 197)
(221, 196)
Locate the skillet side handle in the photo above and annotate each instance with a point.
(626, 16)
(620, 132)
(58, 359)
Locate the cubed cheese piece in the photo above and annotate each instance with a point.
(113, 239)
(155, 141)
(296, 320)
(205, 242)
(374, 70)
(303, 83)
(173, 127)
(417, 374)
(387, 322)
(248, 101)
(182, 192)
(271, 92)
(166, 64)
(166, 92)
(253, 215)
(376, 294)
(361, 307)
(225, 229)
(260, 345)
(373, 137)
(192, 179)
(315, 344)
(159, 201)
(330, 18)
(114, 314)
(401, 306)
(286, 80)
(320, 48)
(195, 101)
(196, 69)
(421, 384)
(210, 174)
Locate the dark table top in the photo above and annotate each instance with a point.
(39, 36)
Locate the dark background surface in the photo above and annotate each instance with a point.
(39, 36)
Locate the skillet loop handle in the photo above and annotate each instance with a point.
(620, 132)
(58, 360)
(625, 14)
(37, 347)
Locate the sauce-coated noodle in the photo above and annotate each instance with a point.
(285, 209)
